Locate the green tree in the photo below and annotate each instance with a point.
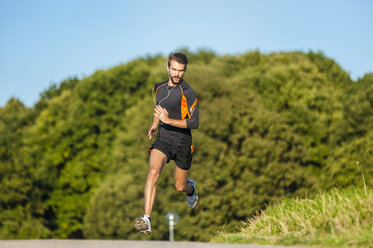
(271, 126)
(21, 209)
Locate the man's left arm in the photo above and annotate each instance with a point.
(193, 121)
(162, 114)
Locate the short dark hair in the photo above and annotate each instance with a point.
(179, 57)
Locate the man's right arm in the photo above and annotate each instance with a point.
(154, 126)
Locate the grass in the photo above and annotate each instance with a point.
(338, 218)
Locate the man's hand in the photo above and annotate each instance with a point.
(162, 114)
(151, 131)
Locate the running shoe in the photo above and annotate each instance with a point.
(192, 200)
(142, 224)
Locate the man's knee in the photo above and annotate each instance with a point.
(154, 173)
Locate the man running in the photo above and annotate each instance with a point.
(176, 112)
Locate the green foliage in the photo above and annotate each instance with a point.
(78, 149)
(19, 223)
(20, 205)
(338, 218)
(110, 213)
(271, 126)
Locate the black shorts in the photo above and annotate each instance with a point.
(182, 155)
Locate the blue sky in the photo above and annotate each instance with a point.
(46, 41)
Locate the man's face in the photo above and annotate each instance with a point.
(176, 71)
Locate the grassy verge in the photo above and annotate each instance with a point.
(339, 218)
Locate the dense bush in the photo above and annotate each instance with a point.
(271, 126)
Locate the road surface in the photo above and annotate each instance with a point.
(118, 244)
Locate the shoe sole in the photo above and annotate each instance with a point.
(142, 227)
(146, 232)
(194, 203)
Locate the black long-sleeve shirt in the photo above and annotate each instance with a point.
(180, 101)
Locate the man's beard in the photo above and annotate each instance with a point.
(172, 80)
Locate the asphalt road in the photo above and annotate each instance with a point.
(118, 244)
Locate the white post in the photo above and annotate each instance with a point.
(171, 223)
(171, 219)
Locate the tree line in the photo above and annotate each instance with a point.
(271, 126)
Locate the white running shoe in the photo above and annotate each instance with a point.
(142, 224)
(192, 200)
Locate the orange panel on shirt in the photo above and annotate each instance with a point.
(193, 107)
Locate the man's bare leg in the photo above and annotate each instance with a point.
(181, 183)
(156, 163)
